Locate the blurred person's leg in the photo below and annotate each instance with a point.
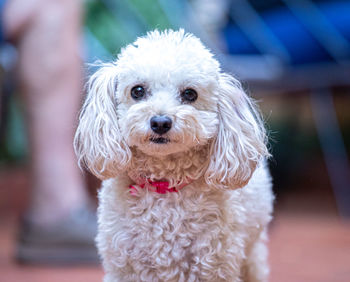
(47, 33)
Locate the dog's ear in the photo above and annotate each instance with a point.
(98, 142)
(241, 140)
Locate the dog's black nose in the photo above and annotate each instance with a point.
(161, 124)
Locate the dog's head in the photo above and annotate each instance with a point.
(166, 94)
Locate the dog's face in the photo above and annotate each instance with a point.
(165, 94)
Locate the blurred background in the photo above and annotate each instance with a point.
(293, 56)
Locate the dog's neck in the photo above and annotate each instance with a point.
(179, 168)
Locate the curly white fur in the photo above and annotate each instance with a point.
(209, 230)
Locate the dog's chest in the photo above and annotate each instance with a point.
(171, 231)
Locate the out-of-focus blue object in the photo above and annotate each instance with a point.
(300, 43)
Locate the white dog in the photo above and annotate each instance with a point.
(173, 138)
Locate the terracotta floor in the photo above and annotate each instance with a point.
(12, 272)
(304, 247)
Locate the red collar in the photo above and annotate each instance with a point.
(160, 187)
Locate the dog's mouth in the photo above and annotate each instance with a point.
(159, 140)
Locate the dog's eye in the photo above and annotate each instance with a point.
(189, 95)
(138, 92)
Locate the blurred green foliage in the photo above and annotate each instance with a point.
(117, 23)
(13, 145)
